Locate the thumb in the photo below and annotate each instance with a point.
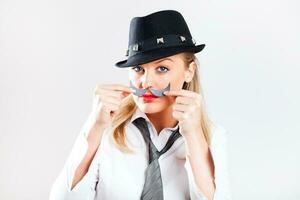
(125, 94)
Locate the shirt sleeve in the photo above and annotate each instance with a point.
(219, 153)
(85, 188)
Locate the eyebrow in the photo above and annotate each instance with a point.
(163, 60)
(156, 62)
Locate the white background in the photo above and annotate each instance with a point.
(53, 53)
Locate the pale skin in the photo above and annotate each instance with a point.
(178, 106)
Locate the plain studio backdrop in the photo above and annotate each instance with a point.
(53, 53)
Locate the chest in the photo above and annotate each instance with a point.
(122, 175)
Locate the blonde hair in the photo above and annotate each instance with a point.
(128, 107)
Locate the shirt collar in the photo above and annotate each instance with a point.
(138, 113)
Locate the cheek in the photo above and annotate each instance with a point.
(176, 84)
(176, 80)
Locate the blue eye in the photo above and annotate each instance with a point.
(163, 69)
(137, 68)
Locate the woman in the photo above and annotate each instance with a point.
(152, 140)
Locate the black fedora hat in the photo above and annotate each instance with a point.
(158, 35)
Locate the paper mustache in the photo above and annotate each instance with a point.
(140, 92)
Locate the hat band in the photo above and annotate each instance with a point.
(160, 42)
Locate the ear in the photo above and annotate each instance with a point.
(189, 73)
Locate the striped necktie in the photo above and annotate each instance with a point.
(153, 187)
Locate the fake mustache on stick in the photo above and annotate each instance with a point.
(141, 92)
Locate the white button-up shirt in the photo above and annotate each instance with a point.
(114, 175)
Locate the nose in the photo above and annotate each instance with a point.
(146, 79)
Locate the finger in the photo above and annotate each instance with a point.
(125, 94)
(181, 108)
(110, 100)
(110, 107)
(181, 93)
(117, 87)
(184, 100)
(110, 93)
(179, 115)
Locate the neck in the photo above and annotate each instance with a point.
(162, 119)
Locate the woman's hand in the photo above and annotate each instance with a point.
(187, 110)
(107, 100)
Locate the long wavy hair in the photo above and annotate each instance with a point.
(128, 107)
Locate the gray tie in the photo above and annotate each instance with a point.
(153, 187)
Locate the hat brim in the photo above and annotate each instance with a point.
(145, 57)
